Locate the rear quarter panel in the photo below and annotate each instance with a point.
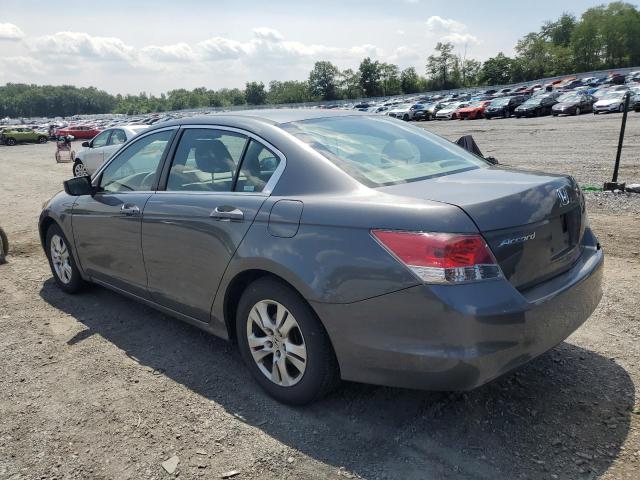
(333, 258)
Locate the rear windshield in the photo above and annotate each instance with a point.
(380, 151)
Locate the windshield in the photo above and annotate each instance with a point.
(612, 95)
(379, 151)
(533, 101)
(569, 97)
(500, 101)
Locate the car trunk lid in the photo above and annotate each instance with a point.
(533, 222)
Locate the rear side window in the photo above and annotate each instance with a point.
(206, 160)
(378, 151)
(258, 166)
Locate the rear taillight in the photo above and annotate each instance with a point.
(441, 257)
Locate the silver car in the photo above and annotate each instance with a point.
(101, 147)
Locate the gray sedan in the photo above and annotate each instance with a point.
(334, 245)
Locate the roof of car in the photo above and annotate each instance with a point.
(273, 116)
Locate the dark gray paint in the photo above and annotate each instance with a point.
(313, 231)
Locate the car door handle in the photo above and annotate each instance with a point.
(129, 209)
(227, 213)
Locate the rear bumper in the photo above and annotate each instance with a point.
(459, 337)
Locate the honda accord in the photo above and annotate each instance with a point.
(334, 245)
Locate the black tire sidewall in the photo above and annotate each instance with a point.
(320, 372)
(4, 246)
(10, 141)
(76, 163)
(76, 282)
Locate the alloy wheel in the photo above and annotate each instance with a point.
(276, 343)
(79, 170)
(60, 259)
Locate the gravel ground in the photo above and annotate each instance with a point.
(97, 386)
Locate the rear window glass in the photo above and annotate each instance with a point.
(378, 151)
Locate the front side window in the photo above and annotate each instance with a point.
(378, 151)
(100, 140)
(136, 167)
(118, 137)
(206, 160)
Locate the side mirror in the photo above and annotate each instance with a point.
(79, 186)
(86, 144)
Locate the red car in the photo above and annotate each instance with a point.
(79, 131)
(473, 111)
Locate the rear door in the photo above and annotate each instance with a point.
(107, 225)
(215, 185)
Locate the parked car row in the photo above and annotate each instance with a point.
(540, 103)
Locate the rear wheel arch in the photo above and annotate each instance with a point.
(237, 287)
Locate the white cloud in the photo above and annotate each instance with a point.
(79, 44)
(219, 48)
(405, 56)
(21, 65)
(179, 52)
(9, 31)
(269, 34)
(449, 30)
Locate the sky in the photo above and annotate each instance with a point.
(155, 46)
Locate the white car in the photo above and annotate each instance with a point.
(402, 111)
(446, 113)
(612, 101)
(101, 147)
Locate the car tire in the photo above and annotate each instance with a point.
(307, 380)
(10, 142)
(621, 108)
(63, 266)
(79, 170)
(577, 112)
(405, 117)
(42, 139)
(4, 246)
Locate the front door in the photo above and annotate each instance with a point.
(107, 225)
(191, 230)
(94, 157)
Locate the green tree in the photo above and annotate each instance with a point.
(291, 91)
(370, 77)
(440, 66)
(255, 93)
(559, 32)
(409, 80)
(323, 81)
(496, 70)
(349, 83)
(470, 69)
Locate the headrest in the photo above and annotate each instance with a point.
(399, 150)
(212, 156)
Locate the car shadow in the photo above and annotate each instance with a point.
(566, 413)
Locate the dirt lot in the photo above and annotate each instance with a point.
(97, 386)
